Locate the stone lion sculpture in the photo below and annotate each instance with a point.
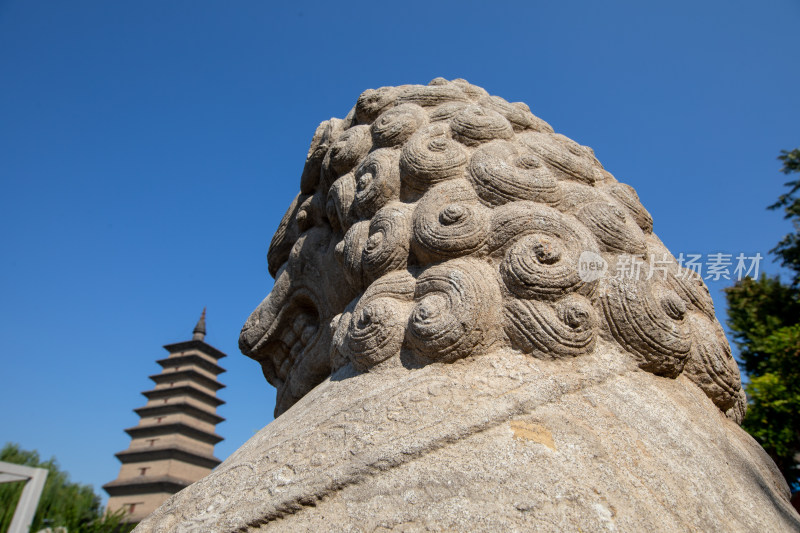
(438, 222)
(446, 357)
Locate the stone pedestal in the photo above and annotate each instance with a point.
(499, 442)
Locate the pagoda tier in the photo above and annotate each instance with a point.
(171, 375)
(175, 408)
(182, 390)
(153, 454)
(172, 446)
(180, 361)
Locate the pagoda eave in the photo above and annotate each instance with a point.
(188, 375)
(200, 346)
(144, 485)
(157, 454)
(179, 408)
(180, 390)
(160, 430)
(191, 359)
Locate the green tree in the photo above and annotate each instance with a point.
(764, 317)
(788, 249)
(63, 503)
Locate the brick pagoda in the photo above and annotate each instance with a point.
(173, 444)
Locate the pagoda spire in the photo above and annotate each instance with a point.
(199, 332)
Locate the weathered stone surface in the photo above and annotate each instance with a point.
(446, 358)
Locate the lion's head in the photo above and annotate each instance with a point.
(438, 222)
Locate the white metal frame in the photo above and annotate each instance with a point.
(34, 479)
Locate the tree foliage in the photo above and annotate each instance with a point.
(756, 310)
(788, 249)
(764, 317)
(62, 504)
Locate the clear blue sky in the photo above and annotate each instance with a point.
(148, 150)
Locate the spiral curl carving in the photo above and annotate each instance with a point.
(349, 252)
(285, 236)
(339, 206)
(447, 111)
(543, 266)
(574, 195)
(456, 310)
(501, 174)
(627, 196)
(345, 153)
(739, 409)
(569, 159)
(311, 212)
(473, 92)
(397, 124)
(543, 329)
(373, 102)
(326, 134)
(649, 321)
(711, 365)
(377, 181)
(689, 285)
(612, 227)
(430, 157)
(375, 330)
(389, 241)
(449, 221)
(431, 95)
(519, 116)
(541, 248)
(475, 125)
